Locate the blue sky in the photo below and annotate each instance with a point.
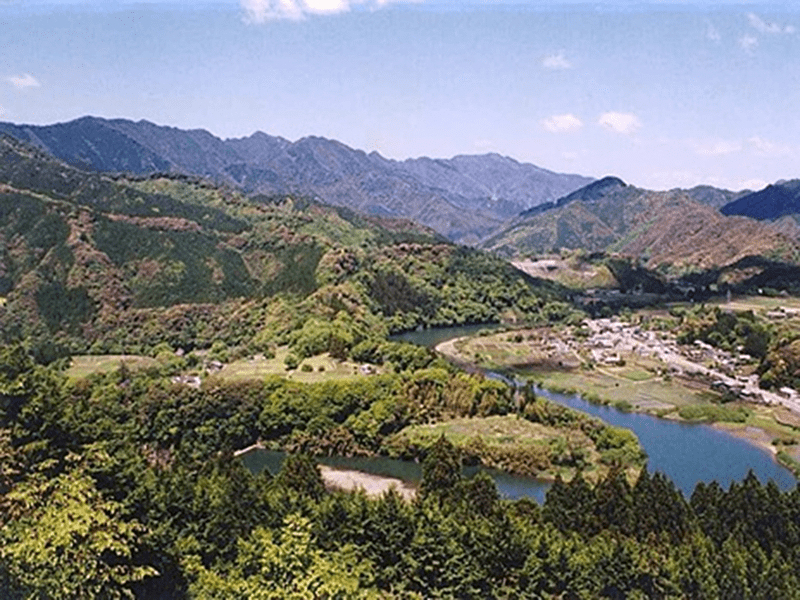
(663, 94)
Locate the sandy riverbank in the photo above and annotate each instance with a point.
(373, 485)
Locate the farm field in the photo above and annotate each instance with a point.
(309, 370)
(85, 365)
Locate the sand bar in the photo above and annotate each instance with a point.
(373, 485)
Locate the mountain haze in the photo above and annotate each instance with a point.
(773, 202)
(464, 198)
(667, 229)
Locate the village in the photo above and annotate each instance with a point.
(611, 339)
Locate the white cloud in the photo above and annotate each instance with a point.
(763, 26)
(483, 145)
(748, 42)
(712, 33)
(764, 147)
(260, 11)
(716, 147)
(751, 184)
(557, 61)
(619, 122)
(23, 82)
(562, 123)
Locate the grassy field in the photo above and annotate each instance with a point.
(521, 349)
(506, 430)
(83, 366)
(319, 368)
(509, 443)
(757, 303)
(322, 368)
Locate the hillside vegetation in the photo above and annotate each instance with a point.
(668, 233)
(109, 264)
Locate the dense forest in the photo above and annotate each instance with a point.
(124, 485)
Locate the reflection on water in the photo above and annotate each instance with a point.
(509, 486)
(686, 452)
(436, 335)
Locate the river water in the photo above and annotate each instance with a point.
(510, 486)
(686, 453)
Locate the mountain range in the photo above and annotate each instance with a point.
(465, 198)
(491, 201)
(669, 230)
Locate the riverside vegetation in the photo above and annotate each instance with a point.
(122, 482)
(717, 364)
(124, 485)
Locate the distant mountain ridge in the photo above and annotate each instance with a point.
(669, 230)
(773, 202)
(465, 198)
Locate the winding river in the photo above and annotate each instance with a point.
(686, 453)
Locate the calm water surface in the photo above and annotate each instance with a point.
(435, 336)
(687, 453)
(509, 486)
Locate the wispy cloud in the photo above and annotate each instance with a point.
(23, 82)
(752, 184)
(557, 61)
(763, 26)
(712, 33)
(260, 11)
(764, 147)
(716, 147)
(562, 123)
(748, 42)
(618, 122)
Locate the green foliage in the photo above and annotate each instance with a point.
(299, 474)
(441, 469)
(157, 487)
(727, 330)
(713, 413)
(61, 539)
(286, 566)
(619, 446)
(291, 362)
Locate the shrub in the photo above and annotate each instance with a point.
(291, 362)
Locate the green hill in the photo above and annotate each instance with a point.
(117, 264)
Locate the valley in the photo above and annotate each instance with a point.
(156, 325)
(637, 364)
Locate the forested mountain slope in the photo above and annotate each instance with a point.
(464, 198)
(659, 228)
(90, 259)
